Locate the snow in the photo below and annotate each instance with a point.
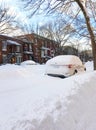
(31, 100)
(28, 62)
(65, 60)
(13, 42)
(64, 65)
(89, 65)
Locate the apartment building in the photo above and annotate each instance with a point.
(26, 47)
(10, 50)
(42, 48)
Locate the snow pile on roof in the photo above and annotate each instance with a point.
(64, 60)
(40, 102)
(10, 42)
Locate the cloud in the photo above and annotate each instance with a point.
(14, 9)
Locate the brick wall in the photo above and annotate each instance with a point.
(32, 47)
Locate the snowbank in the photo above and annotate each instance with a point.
(40, 102)
(12, 72)
(89, 65)
(28, 62)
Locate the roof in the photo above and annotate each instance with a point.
(37, 36)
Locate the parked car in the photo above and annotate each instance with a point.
(64, 66)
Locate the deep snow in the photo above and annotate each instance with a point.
(31, 100)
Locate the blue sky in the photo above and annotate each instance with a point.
(16, 7)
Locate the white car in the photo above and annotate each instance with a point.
(64, 66)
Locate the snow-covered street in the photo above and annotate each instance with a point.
(31, 100)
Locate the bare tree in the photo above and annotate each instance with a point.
(66, 7)
(6, 20)
(59, 31)
(89, 27)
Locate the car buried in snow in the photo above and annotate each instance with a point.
(28, 62)
(64, 66)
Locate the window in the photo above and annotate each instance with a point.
(52, 53)
(4, 46)
(17, 48)
(36, 51)
(42, 43)
(25, 47)
(45, 44)
(30, 47)
(30, 57)
(36, 41)
(42, 53)
(45, 52)
(32, 41)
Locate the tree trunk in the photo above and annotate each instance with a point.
(92, 36)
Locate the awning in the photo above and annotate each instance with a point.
(10, 42)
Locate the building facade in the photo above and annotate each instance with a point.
(27, 47)
(42, 48)
(10, 50)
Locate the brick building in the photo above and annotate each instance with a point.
(27, 47)
(42, 48)
(10, 50)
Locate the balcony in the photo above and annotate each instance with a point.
(28, 52)
(45, 48)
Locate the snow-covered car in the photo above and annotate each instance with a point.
(28, 62)
(64, 66)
